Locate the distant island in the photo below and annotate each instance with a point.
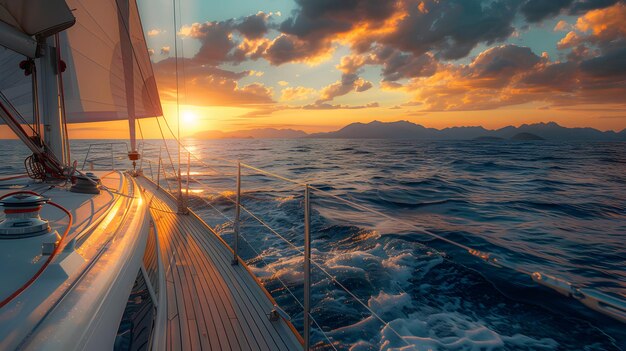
(526, 137)
(263, 133)
(409, 130)
(518, 136)
(488, 138)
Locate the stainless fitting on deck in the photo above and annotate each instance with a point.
(276, 313)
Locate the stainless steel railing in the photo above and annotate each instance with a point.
(304, 251)
(237, 238)
(100, 149)
(237, 213)
(596, 300)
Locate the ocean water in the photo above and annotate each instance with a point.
(556, 208)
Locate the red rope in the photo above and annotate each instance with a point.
(23, 210)
(13, 177)
(50, 258)
(50, 165)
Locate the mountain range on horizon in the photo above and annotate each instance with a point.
(259, 133)
(409, 130)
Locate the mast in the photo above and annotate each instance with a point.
(51, 109)
(128, 66)
(107, 69)
(28, 28)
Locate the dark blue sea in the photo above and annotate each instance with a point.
(555, 208)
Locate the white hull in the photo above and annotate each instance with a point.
(78, 301)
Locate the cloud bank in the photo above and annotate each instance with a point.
(422, 48)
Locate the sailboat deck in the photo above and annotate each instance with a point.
(211, 304)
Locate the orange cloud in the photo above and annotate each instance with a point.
(154, 32)
(562, 26)
(289, 48)
(512, 75)
(348, 83)
(605, 24)
(413, 43)
(296, 93)
(208, 85)
(598, 27)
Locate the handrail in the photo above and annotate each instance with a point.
(595, 300)
(308, 318)
(485, 256)
(110, 144)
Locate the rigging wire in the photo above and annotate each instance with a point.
(317, 264)
(260, 256)
(167, 150)
(16, 113)
(143, 143)
(180, 190)
(154, 100)
(485, 256)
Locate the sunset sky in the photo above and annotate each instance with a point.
(317, 65)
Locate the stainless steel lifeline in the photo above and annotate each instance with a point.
(307, 268)
(237, 216)
(603, 303)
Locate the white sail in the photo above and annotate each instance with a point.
(109, 74)
(14, 85)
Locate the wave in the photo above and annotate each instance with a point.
(526, 202)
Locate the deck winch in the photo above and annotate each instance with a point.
(86, 184)
(22, 216)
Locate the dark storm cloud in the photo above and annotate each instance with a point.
(349, 82)
(612, 64)
(319, 18)
(219, 45)
(254, 26)
(288, 48)
(416, 45)
(504, 60)
(559, 76)
(398, 65)
(512, 75)
(451, 29)
(216, 40)
(539, 10)
(582, 6)
(309, 32)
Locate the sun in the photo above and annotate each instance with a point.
(189, 118)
